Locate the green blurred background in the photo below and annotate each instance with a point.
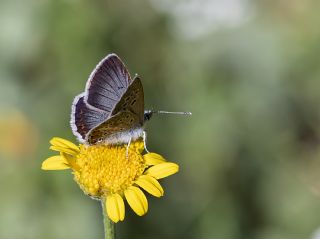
(249, 155)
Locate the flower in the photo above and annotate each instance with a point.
(113, 173)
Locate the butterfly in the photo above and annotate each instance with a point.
(111, 109)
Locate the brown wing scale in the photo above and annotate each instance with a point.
(132, 100)
(121, 122)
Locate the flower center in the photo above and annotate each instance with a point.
(107, 169)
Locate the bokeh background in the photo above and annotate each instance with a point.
(249, 155)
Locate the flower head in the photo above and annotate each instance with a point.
(113, 173)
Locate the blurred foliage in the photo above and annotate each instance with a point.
(250, 153)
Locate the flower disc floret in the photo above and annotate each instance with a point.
(108, 169)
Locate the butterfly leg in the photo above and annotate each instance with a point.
(128, 146)
(145, 141)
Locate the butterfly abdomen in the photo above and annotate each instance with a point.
(124, 137)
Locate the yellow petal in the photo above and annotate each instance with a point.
(153, 159)
(59, 144)
(63, 143)
(71, 161)
(64, 150)
(151, 185)
(137, 200)
(115, 207)
(162, 170)
(55, 163)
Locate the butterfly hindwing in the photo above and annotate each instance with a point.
(113, 127)
(84, 117)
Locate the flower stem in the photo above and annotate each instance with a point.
(109, 232)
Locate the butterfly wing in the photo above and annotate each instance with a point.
(132, 100)
(127, 115)
(84, 117)
(113, 128)
(107, 83)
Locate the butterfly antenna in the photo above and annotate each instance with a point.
(148, 113)
(172, 112)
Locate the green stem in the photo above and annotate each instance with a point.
(109, 232)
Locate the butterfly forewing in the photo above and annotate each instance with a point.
(107, 83)
(132, 101)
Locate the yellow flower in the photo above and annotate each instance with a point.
(113, 173)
